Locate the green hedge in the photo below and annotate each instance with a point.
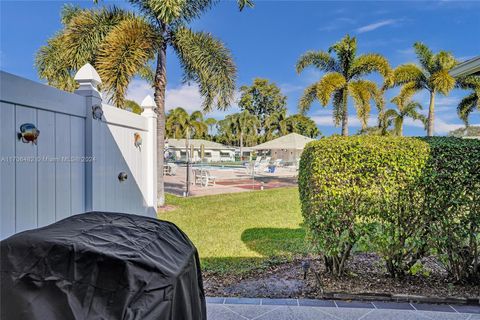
(394, 193)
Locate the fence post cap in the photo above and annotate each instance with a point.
(149, 106)
(88, 74)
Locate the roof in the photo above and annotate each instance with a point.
(292, 141)
(180, 144)
(469, 67)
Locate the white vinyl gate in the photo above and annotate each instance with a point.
(75, 164)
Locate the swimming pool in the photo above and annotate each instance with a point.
(219, 167)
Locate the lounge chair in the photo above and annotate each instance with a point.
(197, 176)
(207, 178)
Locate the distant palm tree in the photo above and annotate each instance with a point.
(432, 75)
(211, 122)
(122, 44)
(470, 102)
(180, 124)
(243, 125)
(406, 108)
(343, 79)
(275, 125)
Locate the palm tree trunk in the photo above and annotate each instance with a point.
(400, 129)
(431, 116)
(345, 113)
(160, 87)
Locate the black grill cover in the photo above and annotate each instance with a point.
(101, 266)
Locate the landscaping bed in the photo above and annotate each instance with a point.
(366, 277)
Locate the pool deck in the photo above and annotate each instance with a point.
(231, 181)
(306, 309)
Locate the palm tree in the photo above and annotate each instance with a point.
(406, 108)
(211, 122)
(122, 44)
(243, 125)
(275, 125)
(471, 102)
(343, 79)
(432, 75)
(180, 124)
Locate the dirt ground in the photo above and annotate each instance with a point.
(366, 274)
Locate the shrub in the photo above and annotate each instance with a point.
(344, 185)
(406, 194)
(452, 188)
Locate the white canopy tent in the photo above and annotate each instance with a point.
(288, 148)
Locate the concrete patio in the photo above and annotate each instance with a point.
(231, 180)
(304, 309)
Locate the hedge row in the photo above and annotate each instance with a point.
(403, 196)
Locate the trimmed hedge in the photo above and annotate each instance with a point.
(394, 193)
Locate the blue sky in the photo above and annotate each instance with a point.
(266, 42)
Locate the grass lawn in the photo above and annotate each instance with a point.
(242, 231)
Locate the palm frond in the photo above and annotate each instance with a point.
(444, 61)
(425, 56)
(443, 81)
(318, 59)
(52, 65)
(368, 63)
(329, 83)
(467, 105)
(362, 92)
(309, 95)
(338, 97)
(206, 61)
(87, 31)
(406, 73)
(124, 52)
(346, 51)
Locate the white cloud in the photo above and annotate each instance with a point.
(376, 25)
(353, 122)
(185, 96)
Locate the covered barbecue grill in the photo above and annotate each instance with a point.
(101, 265)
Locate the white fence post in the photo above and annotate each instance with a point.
(148, 105)
(88, 79)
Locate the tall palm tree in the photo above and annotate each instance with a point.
(180, 124)
(275, 125)
(471, 102)
(211, 123)
(243, 125)
(432, 75)
(406, 108)
(122, 44)
(343, 78)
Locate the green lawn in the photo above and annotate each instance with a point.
(242, 231)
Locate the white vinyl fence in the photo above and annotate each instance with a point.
(76, 164)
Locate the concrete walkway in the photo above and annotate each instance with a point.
(293, 309)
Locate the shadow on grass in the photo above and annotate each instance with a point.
(275, 245)
(275, 242)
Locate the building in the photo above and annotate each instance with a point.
(467, 68)
(213, 151)
(288, 148)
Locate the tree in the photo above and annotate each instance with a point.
(180, 124)
(432, 75)
(470, 131)
(132, 105)
(239, 128)
(343, 79)
(275, 125)
(122, 44)
(406, 108)
(471, 102)
(303, 125)
(211, 122)
(262, 99)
